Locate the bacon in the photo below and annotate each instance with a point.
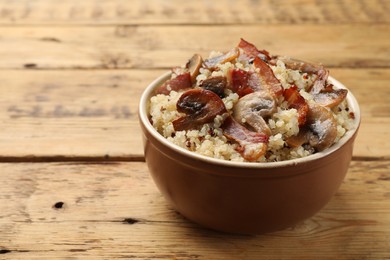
(267, 77)
(251, 51)
(295, 100)
(253, 145)
(181, 81)
(239, 82)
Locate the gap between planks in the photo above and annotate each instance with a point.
(33, 67)
(118, 159)
(78, 159)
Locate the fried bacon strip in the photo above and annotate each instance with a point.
(295, 100)
(249, 141)
(250, 51)
(181, 81)
(267, 77)
(240, 82)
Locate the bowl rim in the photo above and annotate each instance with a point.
(144, 119)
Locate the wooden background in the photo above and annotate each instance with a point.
(73, 179)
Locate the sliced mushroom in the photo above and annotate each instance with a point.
(330, 98)
(193, 66)
(253, 145)
(323, 127)
(215, 84)
(200, 106)
(251, 110)
(229, 56)
(320, 130)
(297, 140)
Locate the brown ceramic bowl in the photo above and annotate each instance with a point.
(241, 197)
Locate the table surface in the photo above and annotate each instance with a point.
(74, 180)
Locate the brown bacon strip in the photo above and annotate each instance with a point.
(247, 140)
(267, 77)
(295, 100)
(239, 82)
(181, 81)
(251, 51)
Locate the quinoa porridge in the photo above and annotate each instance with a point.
(246, 105)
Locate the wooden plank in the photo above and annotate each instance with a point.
(371, 89)
(166, 46)
(82, 114)
(114, 210)
(71, 113)
(192, 12)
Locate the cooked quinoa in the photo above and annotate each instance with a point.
(209, 139)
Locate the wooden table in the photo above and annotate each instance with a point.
(73, 179)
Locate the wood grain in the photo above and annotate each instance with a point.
(71, 113)
(93, 114)
(71, 76)
(146, 47)
(193, 12)
(114, 210)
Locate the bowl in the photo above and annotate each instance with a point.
(242, 197)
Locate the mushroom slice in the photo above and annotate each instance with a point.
(297, 140)
(200, 106)
(215, 84)
(267, 77)
(229, 56)
(193, 66)
(181, 81)
(323, 127)
(252, 145)
(330, 98)
(253, 108)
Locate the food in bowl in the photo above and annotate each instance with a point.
(227, 193)
(249, 106)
